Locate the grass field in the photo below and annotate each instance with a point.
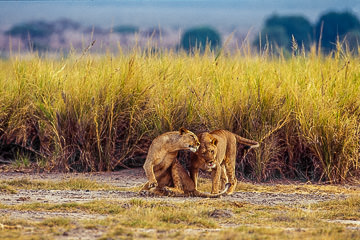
(85, 112)
(176, 218)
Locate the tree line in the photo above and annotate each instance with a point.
(286, 32)
(278, 32)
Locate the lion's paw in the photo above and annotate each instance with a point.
(153, 184)
(145, 193)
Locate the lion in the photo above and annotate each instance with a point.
(217, 154)
(182, 185)
(166, 176)
(162, 153)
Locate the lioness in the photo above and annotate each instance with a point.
(182, 184)
(217, 153)
(162, 153)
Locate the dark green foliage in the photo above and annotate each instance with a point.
(126, 29)
(352, 39)
(334, 26)
(273, 35)
(199, 38)
(296, 26)
(38, 29)
(279, 31)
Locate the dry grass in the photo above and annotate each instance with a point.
(71, 184)
(133, 218)
(92, 112)
(185, 219)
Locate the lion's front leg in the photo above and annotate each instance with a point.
(215, 175)
(149, 171)
(194, 169)
(175, 174)
(223, 177)
(145, 187)
(194, 174)
(230, 171)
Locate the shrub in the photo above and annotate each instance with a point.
(280, 31)
(199, 38)
(37, 29)
(333, 26)
(126, 29)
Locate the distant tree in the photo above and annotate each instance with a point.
(37, 29)
(126, 29)
(275, 36)
(335, 25)
(280, 30)
(352, 40)
(154, 32)
(64, 24)
(199, 38)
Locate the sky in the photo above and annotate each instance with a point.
(242, 15)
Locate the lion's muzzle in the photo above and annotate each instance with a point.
(211, 164)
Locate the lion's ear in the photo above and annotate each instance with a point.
(214, 141)
(183, 131)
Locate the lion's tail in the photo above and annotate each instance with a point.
(210, 195)
(247, 142)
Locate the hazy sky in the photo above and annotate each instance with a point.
(222, 14)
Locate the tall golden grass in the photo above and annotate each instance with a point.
(91, 112)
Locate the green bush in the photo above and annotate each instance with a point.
(280, 31)
(38, 29)
(199, 38)
(126, 29)
(334, 26)
(273, 36)
(352, 40)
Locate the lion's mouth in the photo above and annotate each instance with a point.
(211, 165)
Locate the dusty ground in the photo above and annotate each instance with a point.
(135, 177)
(123, 178)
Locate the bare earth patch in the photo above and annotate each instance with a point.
(135, 177)
(127, 179)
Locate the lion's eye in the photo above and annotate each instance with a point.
(212, 151)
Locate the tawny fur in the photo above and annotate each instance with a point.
(183, 185)
(217, 153)
(162, 153)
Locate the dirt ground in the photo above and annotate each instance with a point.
(135, 177)
(123, 178)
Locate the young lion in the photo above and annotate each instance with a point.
(217, 153)
(162, 153)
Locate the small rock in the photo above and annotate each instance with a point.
(126, 205)
(220, 213)
(23, 198)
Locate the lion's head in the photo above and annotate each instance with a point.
(208, 149)
(189, 140)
